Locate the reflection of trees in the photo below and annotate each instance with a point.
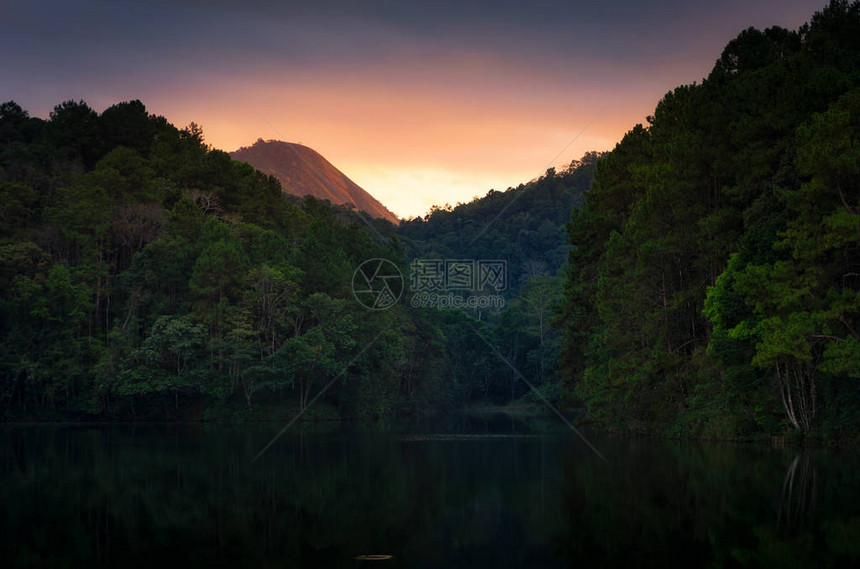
(697, 505)
(640, 510)
(137, 497)
(797, 502)
(796, 536)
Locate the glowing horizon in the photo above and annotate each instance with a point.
(419, 104)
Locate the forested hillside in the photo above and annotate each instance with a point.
(707, 282)
(145, 275)
(148, 276)
(714, 288)
(525, 227)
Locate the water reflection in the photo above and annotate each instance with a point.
(797, 502)
(426, 495)
(697, 505)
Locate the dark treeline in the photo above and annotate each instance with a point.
(714, 289)
(706, 285)
(147, 276)
(526, 227)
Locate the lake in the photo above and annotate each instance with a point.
(457, 492)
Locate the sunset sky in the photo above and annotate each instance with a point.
(420, 103)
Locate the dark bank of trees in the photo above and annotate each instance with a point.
(144, 274)
(708, 286)
(525, 227)
(714, 288)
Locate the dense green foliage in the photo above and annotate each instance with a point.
(524, 225)
(713, 289)
(705, 285)
(147, 275)
(526, 228)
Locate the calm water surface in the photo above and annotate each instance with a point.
(460, 493)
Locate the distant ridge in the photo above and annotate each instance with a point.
(303, 171)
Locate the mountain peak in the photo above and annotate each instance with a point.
(303, 171)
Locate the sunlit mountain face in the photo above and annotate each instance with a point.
(303, 171)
